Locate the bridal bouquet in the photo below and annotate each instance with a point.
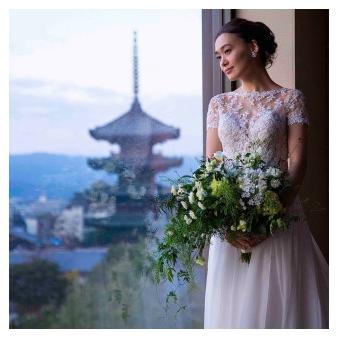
(228, 198)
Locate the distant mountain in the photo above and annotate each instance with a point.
(57, 176)
(60, 176)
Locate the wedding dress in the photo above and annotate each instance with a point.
(286, 283)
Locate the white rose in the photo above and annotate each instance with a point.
(218, 155)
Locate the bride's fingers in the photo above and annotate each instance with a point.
(252, 241)
(245, 243)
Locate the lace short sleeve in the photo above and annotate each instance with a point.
(297, 112)
(212, 115)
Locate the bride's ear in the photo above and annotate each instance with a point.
(254, 47)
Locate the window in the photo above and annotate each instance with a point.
(109, 103)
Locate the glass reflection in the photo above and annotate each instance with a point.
(85, 261)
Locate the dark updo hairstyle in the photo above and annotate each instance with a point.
(250, 30)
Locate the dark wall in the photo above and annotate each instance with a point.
(312, 78)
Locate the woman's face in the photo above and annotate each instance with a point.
(234, 56)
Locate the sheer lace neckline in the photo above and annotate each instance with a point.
(244, 117)
(256, 92)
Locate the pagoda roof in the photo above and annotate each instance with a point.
(135, 123)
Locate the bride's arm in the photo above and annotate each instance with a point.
(213, 143)
(297, 148)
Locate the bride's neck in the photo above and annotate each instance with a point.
(258, 82)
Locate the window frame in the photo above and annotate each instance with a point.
(214, 81)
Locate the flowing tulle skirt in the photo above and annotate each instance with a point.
(286, 284)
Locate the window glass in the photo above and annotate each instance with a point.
(105, 106)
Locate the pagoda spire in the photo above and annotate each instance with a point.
(135, 66)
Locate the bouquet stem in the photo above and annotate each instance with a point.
(245, 257)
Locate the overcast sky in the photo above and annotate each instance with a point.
(71, 71)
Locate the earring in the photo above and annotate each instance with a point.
(253, 54)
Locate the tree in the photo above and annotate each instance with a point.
(33, 285)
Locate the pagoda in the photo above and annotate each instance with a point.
(135, 164)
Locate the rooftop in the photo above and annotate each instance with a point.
(135, 123)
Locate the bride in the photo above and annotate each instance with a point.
(286, 283)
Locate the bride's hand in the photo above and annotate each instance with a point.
(245, 243)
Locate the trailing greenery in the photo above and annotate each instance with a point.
(228, 198)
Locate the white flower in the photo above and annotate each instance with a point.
(275, 172)
(201, 205)
(242, 225)
(259, 150)
(191, 197)
(275, 183)
(174, 190)
(184, 203)
(210, 165)
(200, 194)
(242, 204)
(198, 184)
(192, 215)
(245, 194)
(233, 228)
(187, 219)
(218, 155)
(181, 190)
(261, 185)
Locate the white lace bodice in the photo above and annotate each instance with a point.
(243, 117)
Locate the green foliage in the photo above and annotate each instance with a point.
(36, 284)
(42, 319)
(119, 293)
(227, 198)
